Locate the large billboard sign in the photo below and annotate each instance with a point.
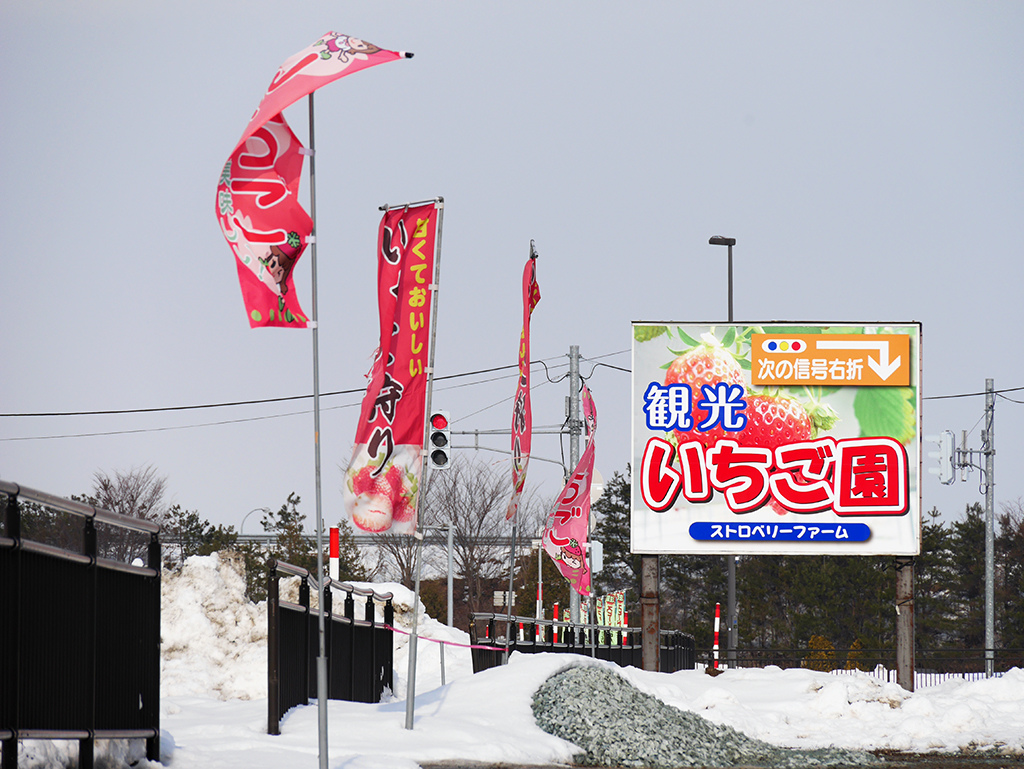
(782, 438)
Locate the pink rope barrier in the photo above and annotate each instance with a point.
(439, 641)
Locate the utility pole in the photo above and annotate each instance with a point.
(988, 441)
(951, 458)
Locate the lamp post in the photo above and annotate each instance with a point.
(731, 635)
(718, 240)
(241, 529)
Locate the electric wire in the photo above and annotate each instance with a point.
(541, 361)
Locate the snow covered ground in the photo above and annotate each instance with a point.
(214, 708)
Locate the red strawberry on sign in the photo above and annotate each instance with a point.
(381, 500)
(402, 510)
(706, 364)
(778, 420)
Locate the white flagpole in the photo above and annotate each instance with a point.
(321, 660)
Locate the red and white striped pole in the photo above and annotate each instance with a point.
(718, 620)
(554, 628)
(335, 554)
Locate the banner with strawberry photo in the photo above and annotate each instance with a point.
(381, 491)
(777, 438)
(257, 193)
(567, 526)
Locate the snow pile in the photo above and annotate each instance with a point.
(617, 725)
(214, 707)
(213, 639)
(809, 709)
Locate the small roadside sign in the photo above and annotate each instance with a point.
(861, 360)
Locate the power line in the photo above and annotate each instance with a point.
(252, 419)
(259, 401)
(972, 395)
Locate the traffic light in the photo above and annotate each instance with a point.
(439, 440)
(945, 470)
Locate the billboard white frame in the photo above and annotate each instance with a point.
(714, 521)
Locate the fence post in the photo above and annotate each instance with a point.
(370, 615)
(273, 651)
(85, 746)
(304, 603)
(389, 620)
(13, 667)
(328, 633)
(350, 613)
(153, 743)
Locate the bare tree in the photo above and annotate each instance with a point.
(474, 497)
(397, 552)
(136, 493)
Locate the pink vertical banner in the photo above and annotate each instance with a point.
(381, 491)
(567, 527)
(522, 412)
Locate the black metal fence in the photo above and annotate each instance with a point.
(79, 633)
(360, 652)
(529, 635)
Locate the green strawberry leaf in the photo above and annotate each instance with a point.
(647, 333)
(690, 341)
(887, 411)
(843, 330)
(744, 363)
(729, 338)
(792, 330)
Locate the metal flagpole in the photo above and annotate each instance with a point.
(410, 691)
(574, 449)
(321, 660)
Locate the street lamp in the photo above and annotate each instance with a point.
(731, 638)
(718, 240)
(241, 529)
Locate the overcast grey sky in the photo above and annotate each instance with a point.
(867, 156)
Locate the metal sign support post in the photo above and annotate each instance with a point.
(905, 622)
(321, 660)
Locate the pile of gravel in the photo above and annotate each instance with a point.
(617, 725)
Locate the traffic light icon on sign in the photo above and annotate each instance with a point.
(439, 440)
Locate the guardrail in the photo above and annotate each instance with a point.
(360, 652)
(621, 645)
(90, 669)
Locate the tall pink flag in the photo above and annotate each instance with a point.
(522, 413)
(567, 526)
(381, 490)
(257, 194)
